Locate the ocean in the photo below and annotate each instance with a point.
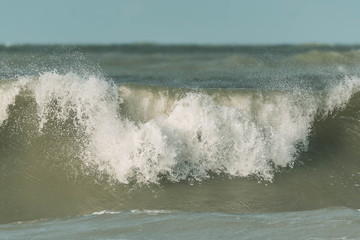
(147, 141)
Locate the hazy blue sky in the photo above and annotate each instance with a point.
(180, 21)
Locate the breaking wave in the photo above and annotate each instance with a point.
(135, 133)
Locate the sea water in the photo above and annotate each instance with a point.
(178, 142)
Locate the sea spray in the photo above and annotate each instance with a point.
(8, 91)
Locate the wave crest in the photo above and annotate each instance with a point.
(144, 134)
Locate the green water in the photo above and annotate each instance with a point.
(233, 141)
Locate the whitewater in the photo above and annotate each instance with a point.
(148, 133)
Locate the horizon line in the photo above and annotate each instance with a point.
(144, 43)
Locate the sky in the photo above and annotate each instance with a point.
(179, 21)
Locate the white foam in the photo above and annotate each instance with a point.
(238, 141)
(152, 212)
(198, 135)
(8, 93)
(339, 96)
(106, 212)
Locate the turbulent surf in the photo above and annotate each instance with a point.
(180, 128)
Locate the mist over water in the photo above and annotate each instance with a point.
(180, 128)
